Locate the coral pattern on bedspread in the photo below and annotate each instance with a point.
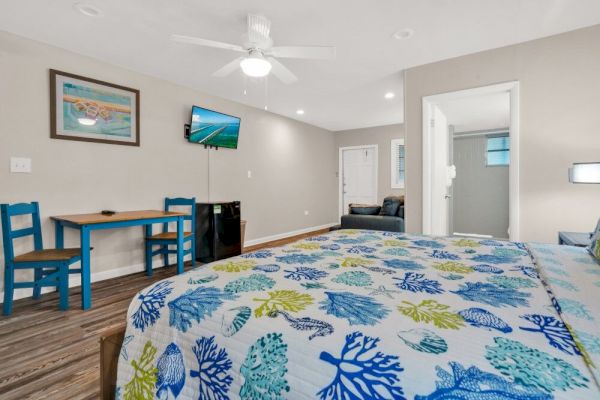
(367, 315)
(573, 280)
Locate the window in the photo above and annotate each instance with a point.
(498, 151)
(398, 162)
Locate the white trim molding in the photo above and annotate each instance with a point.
(279, 236)
(75, 280)
(428, 102)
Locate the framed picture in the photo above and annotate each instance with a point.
(90, 110)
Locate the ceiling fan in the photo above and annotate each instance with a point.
(260, 58)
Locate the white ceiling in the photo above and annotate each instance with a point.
(478, 113)
(342, 94)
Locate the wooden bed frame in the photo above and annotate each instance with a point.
(110, 349)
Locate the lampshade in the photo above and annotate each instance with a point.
(255, 66)
(585, 173)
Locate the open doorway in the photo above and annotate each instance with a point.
(470, 163)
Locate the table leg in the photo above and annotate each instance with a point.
(148, 248)
(59, 235)
(180, 245)
(86, 284)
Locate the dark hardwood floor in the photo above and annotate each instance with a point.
(49, 354)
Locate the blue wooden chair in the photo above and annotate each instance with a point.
(166, 238)
(50, 266)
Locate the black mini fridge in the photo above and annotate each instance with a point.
(217, 231)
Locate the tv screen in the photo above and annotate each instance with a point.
(213, 128)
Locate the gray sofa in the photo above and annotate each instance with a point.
(375, 218)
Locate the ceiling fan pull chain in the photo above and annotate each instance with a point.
(266, 78)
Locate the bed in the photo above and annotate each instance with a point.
(358, 314)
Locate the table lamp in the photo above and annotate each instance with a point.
(588, 172)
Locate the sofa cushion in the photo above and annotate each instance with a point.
(364, 209)
(391, 205)
(400, 211)
(373, 222)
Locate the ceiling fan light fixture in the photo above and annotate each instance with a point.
(255, 66)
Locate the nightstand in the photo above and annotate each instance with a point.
(579, 239)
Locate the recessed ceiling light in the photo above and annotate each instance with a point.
(300, 112)
(88, 10)
(389, 95)
(403, 34)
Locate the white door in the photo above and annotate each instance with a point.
(358, 176)
(441, 180)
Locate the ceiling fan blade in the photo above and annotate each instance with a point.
(206, 42)
(228, 68)
(314, 52)
(281, 72)
(259, 28)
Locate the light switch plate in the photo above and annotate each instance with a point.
(20, 165)
(249, 174)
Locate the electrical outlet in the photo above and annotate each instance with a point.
(249, 174)
(20, 165)
(305, 212)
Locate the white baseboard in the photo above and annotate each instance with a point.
(75, 280)
(287, 234)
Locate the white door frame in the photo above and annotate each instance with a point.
(341, 172)
(513, 176)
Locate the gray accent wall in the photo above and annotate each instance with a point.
(381, 136)
(293, 164)
(559, 121)
(479, 192)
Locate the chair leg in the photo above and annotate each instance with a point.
(193, 244)
(63, 287)
(165, 255)
(9, 279)
(148, 258)
(37, 276)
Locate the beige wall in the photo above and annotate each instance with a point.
(382, 137)
(560, 124)
(293, 164)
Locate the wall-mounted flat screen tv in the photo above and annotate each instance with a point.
(214, 128)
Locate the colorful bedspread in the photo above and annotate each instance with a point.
(356, 315)
(573, 280)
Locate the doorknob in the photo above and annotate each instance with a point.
(447, 196)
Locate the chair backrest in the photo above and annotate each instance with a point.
(180, 201)
(9, 234)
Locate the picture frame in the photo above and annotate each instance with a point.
(90, 110)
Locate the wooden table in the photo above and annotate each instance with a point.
(86, 223)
